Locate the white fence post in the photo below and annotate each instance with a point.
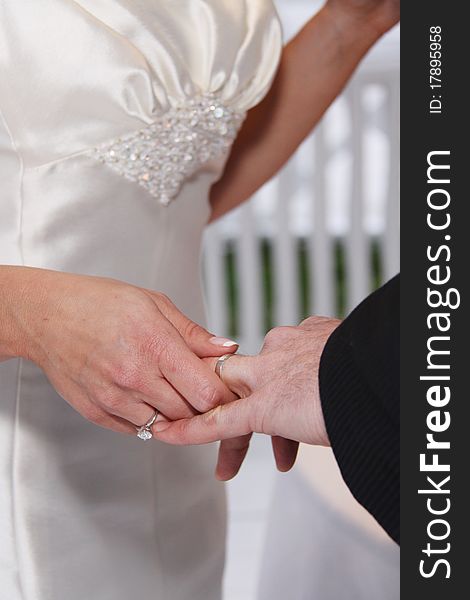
(250, 291)
(357, 242)
(285, 246)
(321, 259)
(215, 280)
(243, 228)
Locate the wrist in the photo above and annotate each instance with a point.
(20, 301)
(317, 332)
(320, 433)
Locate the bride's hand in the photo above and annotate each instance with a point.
(278, 391)
(116, 352)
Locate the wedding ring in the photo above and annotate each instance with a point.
(219, 365)
(145, 432)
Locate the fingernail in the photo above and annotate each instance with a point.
(160, 426)
(224, 342)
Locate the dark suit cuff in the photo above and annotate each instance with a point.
(364, 440)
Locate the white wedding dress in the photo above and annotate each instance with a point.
(116, 118)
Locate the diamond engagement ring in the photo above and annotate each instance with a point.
(219, 365)
(145, 433)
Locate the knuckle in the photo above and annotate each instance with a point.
(113, 402)
(163, 298)
(97, 395)
(315, 322)
(101, 419)
(180, 432)
(156, 346)
(184, 430)
(210, 397)
(106, 400)
(163, 302)
(213, 417)
(127, 375)
(190, 330)
(309, 322)
(279, 335)
(94, 415)
(271, 336)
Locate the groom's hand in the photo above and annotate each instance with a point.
(278, 390)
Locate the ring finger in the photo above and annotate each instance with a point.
(123, 405)
(169, 402)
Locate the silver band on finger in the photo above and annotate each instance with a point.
(219, 365)
(145, 432)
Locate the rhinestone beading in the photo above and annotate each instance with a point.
(144, 434)
(163, 155)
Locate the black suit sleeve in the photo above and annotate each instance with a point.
(359, 390)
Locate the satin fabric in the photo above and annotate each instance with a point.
(84, 512)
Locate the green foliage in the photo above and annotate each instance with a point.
(303, 278)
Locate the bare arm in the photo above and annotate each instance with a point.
(314, 68)
(11, 293)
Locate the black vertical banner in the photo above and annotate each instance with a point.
(435, 328)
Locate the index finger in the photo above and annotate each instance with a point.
(221, 423)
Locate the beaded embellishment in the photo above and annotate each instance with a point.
(162, 155)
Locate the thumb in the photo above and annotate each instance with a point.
(198, 339)
(223, 422)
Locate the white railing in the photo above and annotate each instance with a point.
(328, 223)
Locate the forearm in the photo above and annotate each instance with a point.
(16, 294)
(314, 68)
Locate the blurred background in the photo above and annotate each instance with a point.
(315, 240)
